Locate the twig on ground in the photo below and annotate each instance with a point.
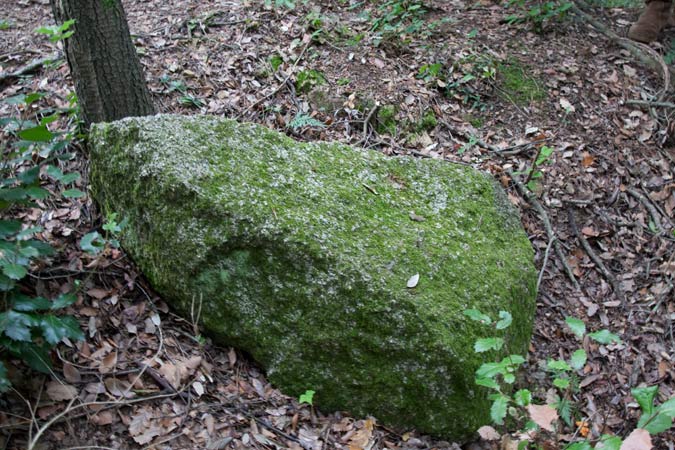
(288, 77)
(650, 104)
(543, 265)
(652, 211)
(28, 68)
(367, 120)
(532, 200)
(70, 408)
(616, 287)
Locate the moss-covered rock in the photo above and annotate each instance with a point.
(300, 254)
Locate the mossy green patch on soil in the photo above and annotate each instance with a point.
(518, 84)
(299, 254)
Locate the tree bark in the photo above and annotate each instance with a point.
(103, 61)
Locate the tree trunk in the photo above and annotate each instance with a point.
(103, 62)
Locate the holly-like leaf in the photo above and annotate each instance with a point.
(478, 316)
(486, 344)
(605, 337)
(488, 383)
(645, 398)
(37, 357)
(56, 328)
(561, 383)
(577, 326)
(22, 302)
(9, 228)
(63, 300)
(578, 359)
(4, 381)
(14, 271)
(523, 397)
(498, 409)
(16, 325)
(558, 365)
(505, 320)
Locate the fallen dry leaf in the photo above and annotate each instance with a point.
(543, 415)
(639, 439)
(59, 392)
(488, 433)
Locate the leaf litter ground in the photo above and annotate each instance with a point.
(145, 379)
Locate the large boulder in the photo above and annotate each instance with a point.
(304, 255)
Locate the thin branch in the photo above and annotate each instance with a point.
(616, 287)
(532, 200)
(32, 66)
(651, 104)
(652, 211)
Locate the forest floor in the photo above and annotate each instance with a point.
(454, 80)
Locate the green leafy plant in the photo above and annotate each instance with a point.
(538, 13)
(307, 397)
(309, 79)
(94, 243)
(534, 173)
(29, 326)
(305, 120)
(518, 406)
(58, 32)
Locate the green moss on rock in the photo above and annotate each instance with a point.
(300, 253)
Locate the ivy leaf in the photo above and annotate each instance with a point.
(505, 321)
(37, 193)
(485, 344)
(30, 176)
(14, 271)
(584, 445)
(498, 409)
(54, 172)
(56, 328)
(478, 316)
(578, 359)
(605, 337)
(577, 326)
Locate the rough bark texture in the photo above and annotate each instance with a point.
(103, 61)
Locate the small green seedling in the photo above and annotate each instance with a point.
(307, 397)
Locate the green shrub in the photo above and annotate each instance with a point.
(29, 325)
